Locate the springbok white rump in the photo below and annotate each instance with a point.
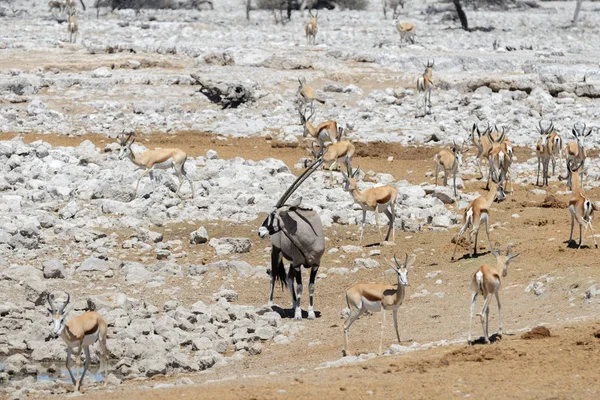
(155, 159)
(80, 332)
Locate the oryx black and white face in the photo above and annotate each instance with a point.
(269, 225)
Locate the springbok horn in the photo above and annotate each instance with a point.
(397, 263)
(65, 304)
(508, 249)
(50, 302)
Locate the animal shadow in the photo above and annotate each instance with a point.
(481, 341)
(572, 244)
(470, 256)
(289, 312)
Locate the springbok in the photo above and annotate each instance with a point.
(482, 142)
(306, 94)
(486, 282)
(340, 152)
(425, 85)
(155, 159)
(478, 212)
(296, 235)
(580, 207)
(543, 150)
(575, 151)
(80, 332)
(500, 157)
(556, 146)
(449, 161)
(380, 198)
(72, 26)
(377, 297)
(326, 131)
(407, 32)
(311, 28)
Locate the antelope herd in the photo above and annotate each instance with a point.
(296, 233)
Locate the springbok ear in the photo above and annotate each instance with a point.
(317, 14)
(392, 264)
(588, 133)
(49, 310)
(411, 261)
(513, 256)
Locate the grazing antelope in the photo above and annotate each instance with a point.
(575, 151)
(306, 94)
(80, 332)
(296, 235)
(381, 198)
(449, 161)
(478, 212)
(543, 150)
(580, 207)
(407, 32)
(339, 152)
(483, 144)
(377, 297)
(72, 26)
(425, 85)
(155, 159)
(326, 131)
(486, 282)
(311, 28)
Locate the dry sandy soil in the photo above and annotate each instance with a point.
(564, 365)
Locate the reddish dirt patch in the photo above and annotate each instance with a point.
(539, 332)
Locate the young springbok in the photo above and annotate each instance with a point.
(80, 332)
(155, 159)
(311, 28)
(544, 153)
(575, 151)
(449, 161)
(377, 297)
(326, 131)
(478, 212)
(380, 198)
(425, 85)
(486, 282)
(580, 207)
(72, 26)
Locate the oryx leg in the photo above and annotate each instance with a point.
(311, 291)
(276, 266)
(290, 281)
(298, 310)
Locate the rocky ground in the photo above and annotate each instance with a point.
(183, 281)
